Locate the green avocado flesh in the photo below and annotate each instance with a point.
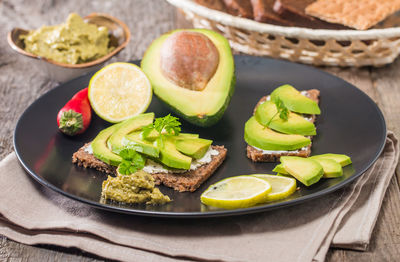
(128, 126)
(331, 167)
(134, 141)
(343, 160)
(194, 147)
(100, 149)
(202, 108)
(267, 115)
(280, 169)
(306, 170)
(295, 101)
(171, 157)
(264, 138)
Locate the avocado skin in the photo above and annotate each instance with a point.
(100, 148)
(204, 120)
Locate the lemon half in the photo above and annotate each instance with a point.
(236, 192)
(119, 91)
(282, 186)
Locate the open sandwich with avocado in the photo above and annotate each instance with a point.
(179, 160)
(282, 124)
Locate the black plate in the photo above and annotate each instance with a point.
(350, 124)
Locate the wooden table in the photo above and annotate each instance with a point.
(20, 85)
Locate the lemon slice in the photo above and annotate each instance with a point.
(236, 192)
(282, 186)
(119, 91)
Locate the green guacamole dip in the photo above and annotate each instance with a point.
(137, 188)
(73, 42)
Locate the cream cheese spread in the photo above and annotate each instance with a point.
(154, 167)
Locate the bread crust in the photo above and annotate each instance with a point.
(257, 155)
(187, 181)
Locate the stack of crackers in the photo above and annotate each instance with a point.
(318, 14)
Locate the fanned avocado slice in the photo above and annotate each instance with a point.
(331, 167)
(295, 101)
(170, 156)
(202, 108)
(343, 160)
(194, 147)
(132, 124)
(135, 142)
(264, 138)
(267, 115)
(280, 169)
(306, 170)
(100, 148)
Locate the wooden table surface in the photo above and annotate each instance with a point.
(20, 85)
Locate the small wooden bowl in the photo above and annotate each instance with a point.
(119, 38)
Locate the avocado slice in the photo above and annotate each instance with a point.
(306, 170)
(295, 101)
(134, 141)
(280, 169)
(100, 149)
(267, 115)
(264, 138)
(193, 147)
(170, 156)
(202, 108)
(128, 126)
(331, 167)
(154, 135)
(343, 160)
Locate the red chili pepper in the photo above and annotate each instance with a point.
(74, 118)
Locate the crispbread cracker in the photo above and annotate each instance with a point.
(357, 14)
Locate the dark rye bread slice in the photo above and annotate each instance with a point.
(257, 155)
(263, 12)
(294, 10)
(187, 181)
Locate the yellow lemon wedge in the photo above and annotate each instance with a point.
(236, 192)
(119, 91)
(282, 186)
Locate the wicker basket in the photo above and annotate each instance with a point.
(375, 47)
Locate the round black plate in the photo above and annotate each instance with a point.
(350, 124)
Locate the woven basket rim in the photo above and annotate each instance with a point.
(316, 34)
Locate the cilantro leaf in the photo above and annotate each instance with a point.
(167, 125)
(132, 161)
(282, 111)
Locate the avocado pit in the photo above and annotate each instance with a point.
(189, 59)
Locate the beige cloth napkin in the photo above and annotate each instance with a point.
(32, 214)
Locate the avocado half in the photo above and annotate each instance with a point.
(202, 108)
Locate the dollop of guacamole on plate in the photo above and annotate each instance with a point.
(137, 188)
(72, 42)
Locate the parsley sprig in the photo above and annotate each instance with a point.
(283, 111)
(167, 125)
(132, 161)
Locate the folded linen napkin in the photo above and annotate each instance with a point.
(32, 214)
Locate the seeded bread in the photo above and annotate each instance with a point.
(257, 155)
(187, 181)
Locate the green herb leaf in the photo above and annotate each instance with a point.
(282, 109)
(132, 161)
(167, 125)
